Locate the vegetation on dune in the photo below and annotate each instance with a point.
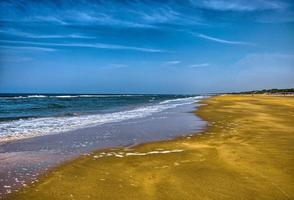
(268, 91)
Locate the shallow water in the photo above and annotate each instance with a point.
(24, 116)
(23, 160)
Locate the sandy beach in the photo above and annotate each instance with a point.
(22, 161)
(147, 100)
(246, 152)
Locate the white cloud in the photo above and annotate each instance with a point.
(136, 14)
(240, 5)
(47, 36)
(199, 65)
(214, 39)
(29, 48)
(88, 45)
(172, 62)
(46, 18)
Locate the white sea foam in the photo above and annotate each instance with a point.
(73, 96)
(26, 128)
(23, 97)
(111, 95)
(124, 154)
(88, 95)
(81, 96)
(37, 96)
(188, 99)
(64, 96)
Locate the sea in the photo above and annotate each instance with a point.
(30, 115)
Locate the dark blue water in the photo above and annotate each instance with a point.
(28, 115)
(26, 106)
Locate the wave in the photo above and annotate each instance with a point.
(26, 128)
(64, 96)
(72, 96)
(23, 97)
(111, 95)
(181, 100)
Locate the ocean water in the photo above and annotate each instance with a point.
(27, 115)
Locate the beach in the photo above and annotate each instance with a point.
(143, 118)
(147, 100)
(245, 152)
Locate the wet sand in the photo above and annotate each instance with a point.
(246, 152)
(24, 160)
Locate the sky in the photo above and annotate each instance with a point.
(145, 46)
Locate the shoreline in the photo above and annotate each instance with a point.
(66, 120)
(53, 150)
(218, 158)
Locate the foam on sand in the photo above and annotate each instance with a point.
(124, 154)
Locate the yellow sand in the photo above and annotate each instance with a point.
(246, 152)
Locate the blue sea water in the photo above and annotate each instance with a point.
(29, 115)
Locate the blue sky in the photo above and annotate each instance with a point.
(145, 46)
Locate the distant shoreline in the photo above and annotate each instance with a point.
(283, 92)
(259, 94)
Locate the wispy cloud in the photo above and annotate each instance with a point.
(88, 45)
(41, 36)
(199, 65)
(214, 39)
(172, 62)
(28, 48)
(135, 14)
(240, 5)
(46, 18)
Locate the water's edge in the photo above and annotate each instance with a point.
(22, 157)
